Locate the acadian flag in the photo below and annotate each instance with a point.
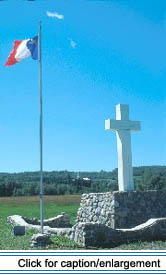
(23, 49)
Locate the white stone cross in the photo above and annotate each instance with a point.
(122, 125)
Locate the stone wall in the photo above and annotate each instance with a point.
(100, 235)
(60, 221)
(122, 209)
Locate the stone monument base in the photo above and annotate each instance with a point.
(100, 235)
(122, 209)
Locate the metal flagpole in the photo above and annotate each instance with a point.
(40, 127)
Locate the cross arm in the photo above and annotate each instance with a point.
(112, 124)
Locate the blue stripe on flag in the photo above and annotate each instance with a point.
(32, 45)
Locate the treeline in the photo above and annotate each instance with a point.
(65, 182)
(55, 183)
(150, 178)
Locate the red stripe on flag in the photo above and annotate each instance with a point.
(11, 59)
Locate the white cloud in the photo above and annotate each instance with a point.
(55, 14)
(72, 43)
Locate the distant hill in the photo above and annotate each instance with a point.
(66, 182)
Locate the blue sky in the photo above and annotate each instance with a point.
(102, 53)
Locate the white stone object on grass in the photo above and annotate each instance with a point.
(122, 125)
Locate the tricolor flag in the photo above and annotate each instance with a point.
(23, 49)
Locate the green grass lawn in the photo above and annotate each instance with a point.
(53, 205)
(29, 207)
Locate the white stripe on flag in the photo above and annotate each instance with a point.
(22, 51)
